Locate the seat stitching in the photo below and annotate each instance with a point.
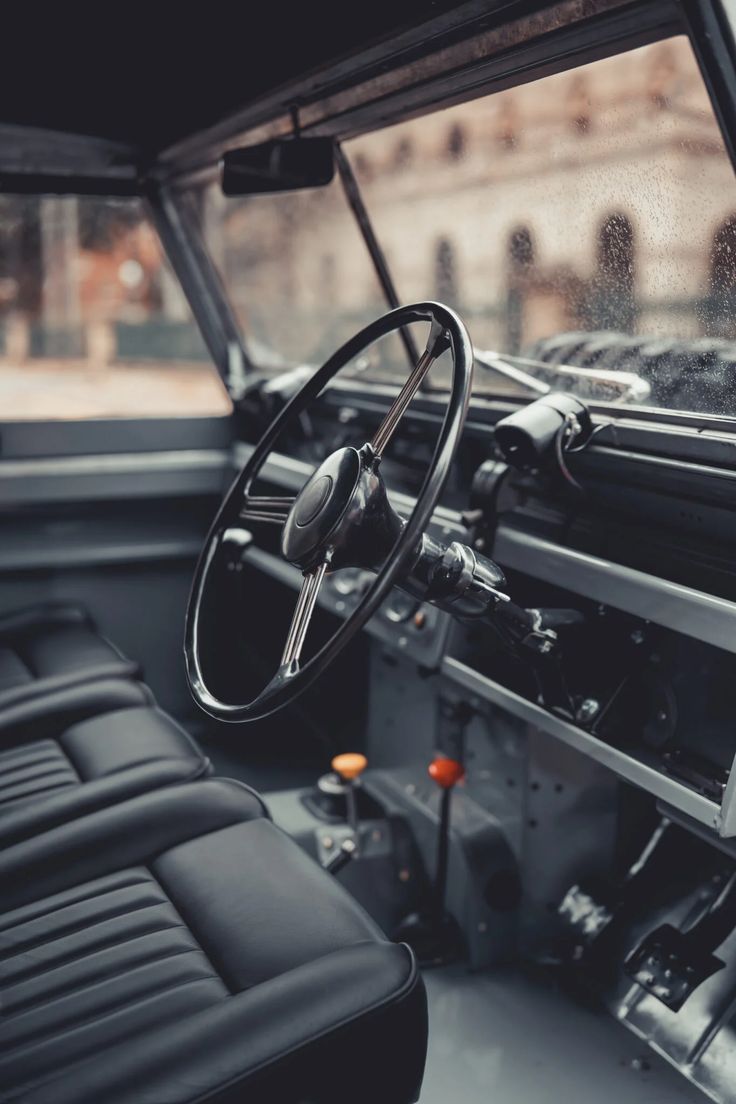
(111, 945)
(33, 754)
(75, 1025)
(97, 895)
(195, 940)
(61, 769)
(71, 990)
(45, 790)
(86, 925)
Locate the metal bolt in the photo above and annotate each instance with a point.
(637, 637)
(327, 842)
(410, 788)
(404, 875)
(480, 544)
(587, 710)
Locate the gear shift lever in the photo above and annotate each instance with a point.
(433, 934)
(349, 768)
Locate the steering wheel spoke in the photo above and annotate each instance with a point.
(274, 509)
(305, 605)
(437, 343)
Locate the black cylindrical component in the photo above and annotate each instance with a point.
(528, 435)
(443, 846)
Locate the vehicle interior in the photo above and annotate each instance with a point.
(367, 533)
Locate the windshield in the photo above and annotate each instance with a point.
(584, 225)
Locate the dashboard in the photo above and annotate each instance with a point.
(651, 680)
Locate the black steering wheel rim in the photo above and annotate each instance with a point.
(286, 685)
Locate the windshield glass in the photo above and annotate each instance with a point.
(583, 224)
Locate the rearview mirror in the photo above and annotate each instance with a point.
(281, 165)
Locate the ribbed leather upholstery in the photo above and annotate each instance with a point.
(44, 649)
(33, 771)
(180, 949)
(97, 761)
(87, 967)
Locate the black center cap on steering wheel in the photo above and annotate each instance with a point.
(320, 506)
(312, 500)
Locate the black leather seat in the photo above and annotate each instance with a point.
(107, 745)
(48, 649)
(179, 948)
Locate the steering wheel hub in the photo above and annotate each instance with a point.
(311, 503)
(320, 506)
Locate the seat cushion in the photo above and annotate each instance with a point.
(46, 648)
(180, 948)
(97, 761)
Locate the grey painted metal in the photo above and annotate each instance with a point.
(634, 770)
(38, 151)
(509, 1036)
(728, 806)
(116, 475)
(97, 554)
(182, 239)
(693, 612)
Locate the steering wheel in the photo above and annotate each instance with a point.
(342, 517)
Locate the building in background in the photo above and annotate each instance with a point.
(563, 204)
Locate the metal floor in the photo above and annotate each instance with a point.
(504, 1038)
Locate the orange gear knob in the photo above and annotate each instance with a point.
(446, 772)
(350, 765)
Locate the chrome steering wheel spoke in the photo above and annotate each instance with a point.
(274, 509)
(437, 343)
(303, 611)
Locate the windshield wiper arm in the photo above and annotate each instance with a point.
(597, 384)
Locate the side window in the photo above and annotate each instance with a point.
(92, 322)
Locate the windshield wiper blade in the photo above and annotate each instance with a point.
(597, 384)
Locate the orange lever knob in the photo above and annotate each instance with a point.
(350, 765)
(446, 772)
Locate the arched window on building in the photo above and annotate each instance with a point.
(456, 142)
(520, 257)
(719, 313)
(579, 105)
(520, 248)
(403, 153)
(363, 167)
(507, 123)
(445, 272)
(611, 301)
(662, 76)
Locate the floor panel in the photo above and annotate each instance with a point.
(505, 1038)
